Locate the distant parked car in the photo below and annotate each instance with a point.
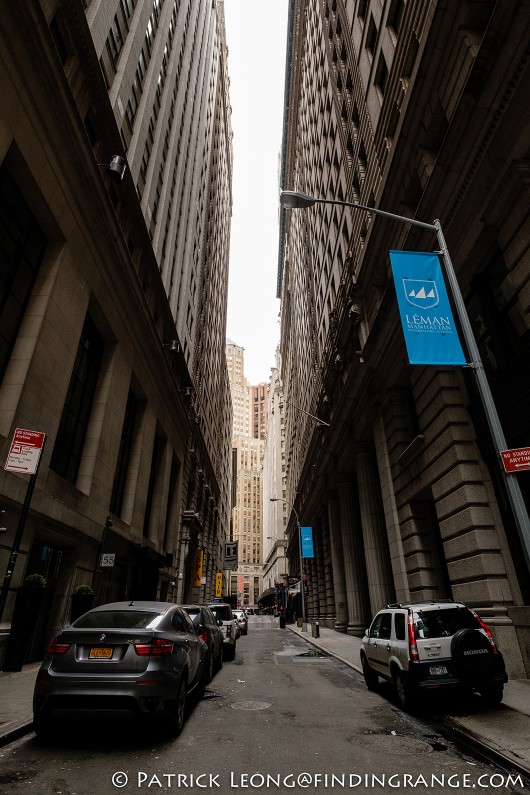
(422, 647)
(95, 666)
(230, 627)
(209, 628)
(242, 620)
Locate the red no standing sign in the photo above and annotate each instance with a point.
(25, 450)
(516, 460)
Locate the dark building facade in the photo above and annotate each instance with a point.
(417, 108)
(113, 301)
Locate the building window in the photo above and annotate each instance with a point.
(22, 245)
(68, 448)
(124, 453)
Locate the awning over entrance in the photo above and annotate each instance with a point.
(268, 596)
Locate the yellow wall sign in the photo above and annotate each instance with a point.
(218, 584)
(199, 557)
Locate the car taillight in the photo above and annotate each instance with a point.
(413, 649)
(229, 631)
(157, 648)
(487, 630)
(55, 647)
(204, 636)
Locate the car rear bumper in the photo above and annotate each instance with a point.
(57, 696)
(420, 676)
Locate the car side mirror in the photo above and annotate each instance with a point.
(199, 629)
(366, 633)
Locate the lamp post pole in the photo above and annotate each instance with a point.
(280, 499)
(292, 200)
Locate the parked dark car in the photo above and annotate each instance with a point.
(230, 627)
(209, 628)
(94, 667)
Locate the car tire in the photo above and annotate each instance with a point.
(405, 699)
(370, 676)
(42, 727)
(177, 716)
(492, 695)
(209, 667)
(230, 652)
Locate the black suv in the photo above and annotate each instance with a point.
(422, 646)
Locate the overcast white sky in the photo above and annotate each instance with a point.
(256, 35)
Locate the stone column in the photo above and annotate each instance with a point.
(354, 565)
(378, 568)
(337, 565)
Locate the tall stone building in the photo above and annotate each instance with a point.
(247, 513)
(419, 109)
(115, 186)
(275, 509)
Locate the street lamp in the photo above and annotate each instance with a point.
(292, 200)
(280, 499)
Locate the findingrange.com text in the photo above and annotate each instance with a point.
(338, 781)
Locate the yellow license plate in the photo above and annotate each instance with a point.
(100, 653)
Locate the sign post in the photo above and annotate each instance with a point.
(24, 456)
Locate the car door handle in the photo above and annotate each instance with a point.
(432, 646)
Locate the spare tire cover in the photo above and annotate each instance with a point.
(472, 654)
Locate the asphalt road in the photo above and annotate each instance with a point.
(280, 718)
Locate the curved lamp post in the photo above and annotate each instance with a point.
(280, 499)
(291, 200)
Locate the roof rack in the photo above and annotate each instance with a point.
(422, 602)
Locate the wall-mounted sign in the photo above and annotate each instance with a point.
(426, 317)
(199, 557)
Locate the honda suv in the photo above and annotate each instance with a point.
(420, 646)
(229, 628)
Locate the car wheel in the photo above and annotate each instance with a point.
(230, 652)
(42, 727)
(405, 699)
(177, 715)
(370, 676)
(492, 695)
(209, 668)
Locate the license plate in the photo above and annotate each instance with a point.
(437, 670)
(100, 653)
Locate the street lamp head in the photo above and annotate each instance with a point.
(274, 499)
(292, 200)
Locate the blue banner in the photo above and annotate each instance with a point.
(307, 542)
(428, 325)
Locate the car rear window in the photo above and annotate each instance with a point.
(118, 619)
(442, 623)
(223, 612)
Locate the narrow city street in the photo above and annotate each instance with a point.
(281, 718)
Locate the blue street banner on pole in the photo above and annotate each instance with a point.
(428, 324)
(307, 542)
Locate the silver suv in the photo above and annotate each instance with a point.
(424, 646)
(229, 628)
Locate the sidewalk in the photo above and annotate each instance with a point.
(505, 731)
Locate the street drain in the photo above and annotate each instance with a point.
(393, 744)
(250, 705)
(313, 653)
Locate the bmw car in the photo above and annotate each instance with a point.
(120, 660)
